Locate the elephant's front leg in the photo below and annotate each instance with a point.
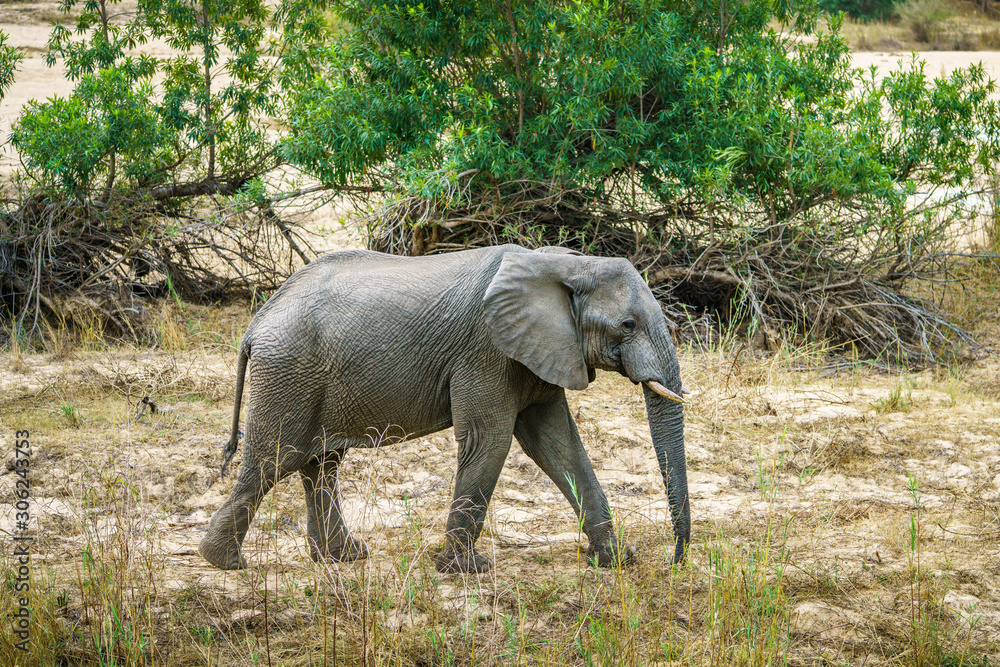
(482, 449)
(328, 538)
(548, 434)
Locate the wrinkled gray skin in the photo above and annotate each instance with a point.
(485, 340)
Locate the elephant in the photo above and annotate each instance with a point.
(486, 340)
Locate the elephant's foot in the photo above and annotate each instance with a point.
(351, 549)
(449, 561)
(610, 554)
(222, 553)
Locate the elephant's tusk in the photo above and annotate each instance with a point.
(663, 391)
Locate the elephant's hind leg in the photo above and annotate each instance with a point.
(328, 536)
(221, 546)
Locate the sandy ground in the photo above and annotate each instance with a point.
(821, 467)
(938, 63)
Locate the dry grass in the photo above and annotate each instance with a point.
(832, 526)
(876, 35)
(938, 25)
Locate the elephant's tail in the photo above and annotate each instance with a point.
(234, 437)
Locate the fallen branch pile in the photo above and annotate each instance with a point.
(797, 278)
(75, 261)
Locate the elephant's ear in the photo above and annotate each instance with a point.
(529, 313)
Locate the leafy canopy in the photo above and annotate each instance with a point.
(697, 101)
(727, 148)
(148, 179)
(193, 123)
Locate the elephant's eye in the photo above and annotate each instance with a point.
(628, 325)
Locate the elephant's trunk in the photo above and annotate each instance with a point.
(666, 424)
(654, 364)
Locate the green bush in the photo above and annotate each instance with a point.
(120, 131)
(693, 137)
(581, 95)
(148, 176)
(10, 59)
(728, 148)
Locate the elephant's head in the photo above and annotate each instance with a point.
(563, 315)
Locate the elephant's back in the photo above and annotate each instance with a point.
(372, 280)
(361, 306)
(377, 336)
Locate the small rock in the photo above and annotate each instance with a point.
(517, 496)
(957, 475)
(247, 617)
(704, 490)
(956, 470)
(963, 604)
(828, 622)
